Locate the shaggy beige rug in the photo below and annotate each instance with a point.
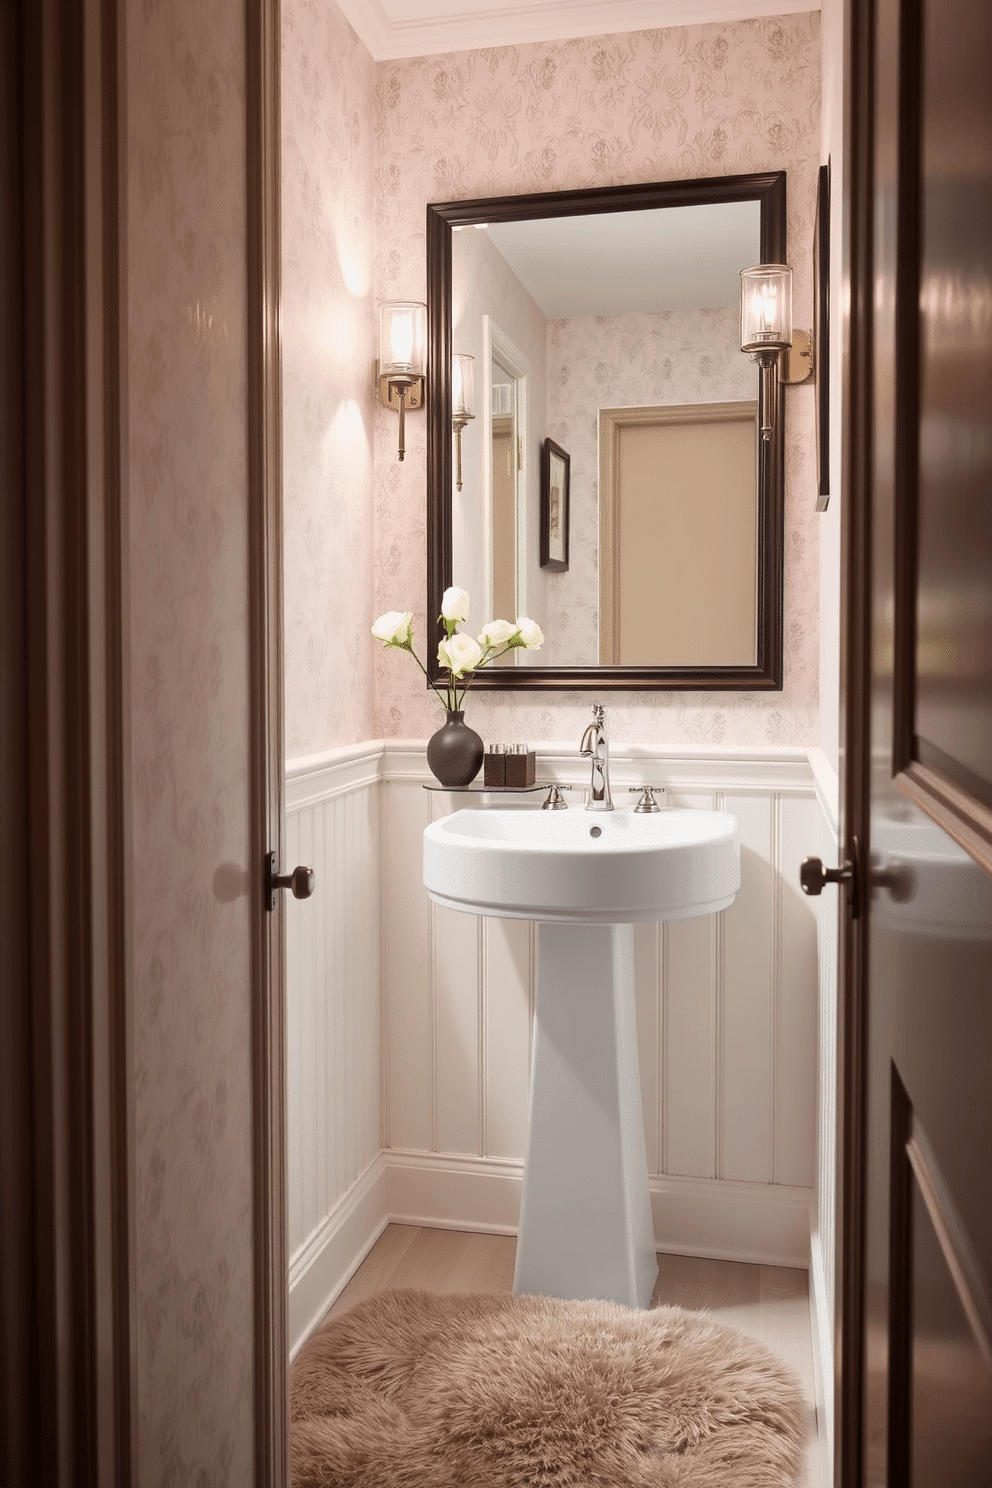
(414, 1390)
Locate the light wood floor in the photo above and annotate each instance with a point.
(771, 1303)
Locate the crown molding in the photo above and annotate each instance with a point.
(388, 32)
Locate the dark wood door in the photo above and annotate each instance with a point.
(925, 1016)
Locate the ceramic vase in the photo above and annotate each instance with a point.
(455, 752)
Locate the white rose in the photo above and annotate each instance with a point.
(497, 633)
(530, 633)
(454, 605)
(459, 653)
(395, 628)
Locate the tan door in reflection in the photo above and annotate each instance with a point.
(678, 535)
(927, 998)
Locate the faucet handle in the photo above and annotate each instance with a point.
(555, 801)
(647, 801)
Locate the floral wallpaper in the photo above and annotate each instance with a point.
(706, 100)
(328, 94)
(189, 739)
(622, 361)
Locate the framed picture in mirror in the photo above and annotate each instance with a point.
(555, 464)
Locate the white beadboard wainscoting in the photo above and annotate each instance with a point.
(410, 1025)
(334, 1190)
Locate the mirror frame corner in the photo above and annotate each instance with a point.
(769, 189)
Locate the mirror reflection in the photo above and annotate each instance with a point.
(580, 323)
(614, 486)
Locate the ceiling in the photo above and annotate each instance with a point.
(673, 258)
(418, 28)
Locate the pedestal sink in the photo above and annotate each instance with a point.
(587, 878)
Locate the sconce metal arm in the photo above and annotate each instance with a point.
(399, 392)
(458, 422)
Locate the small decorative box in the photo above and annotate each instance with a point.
(494, 766)
(520, 765)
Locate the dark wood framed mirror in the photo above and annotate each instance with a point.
(665, 237)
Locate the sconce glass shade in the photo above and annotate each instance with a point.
(402, 338)
(766, 308)
(462, 385)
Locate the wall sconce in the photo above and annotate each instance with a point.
(399, 371)
(767, 334)
(462, 398)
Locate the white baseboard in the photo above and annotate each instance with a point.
(457, 1193)
(319, 1272)
(765, 1224)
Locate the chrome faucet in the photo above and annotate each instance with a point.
(595, 746)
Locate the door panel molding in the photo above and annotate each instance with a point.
(948, 793)
(906, 375)
(940, 1314)
(900, 1340)
(952, 1236)
(968, 821)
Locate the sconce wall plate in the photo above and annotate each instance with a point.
(388, 390)
(796, 364)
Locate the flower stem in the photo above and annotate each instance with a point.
(449, 698)
(433, 686)
(490, 653)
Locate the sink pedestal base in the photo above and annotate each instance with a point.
(585, 1220)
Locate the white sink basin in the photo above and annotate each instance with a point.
(609, 867)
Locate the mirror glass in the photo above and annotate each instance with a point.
(614, 484)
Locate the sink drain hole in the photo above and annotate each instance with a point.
(595, 831)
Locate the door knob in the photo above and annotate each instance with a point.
(302, 881)
(813, 875)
